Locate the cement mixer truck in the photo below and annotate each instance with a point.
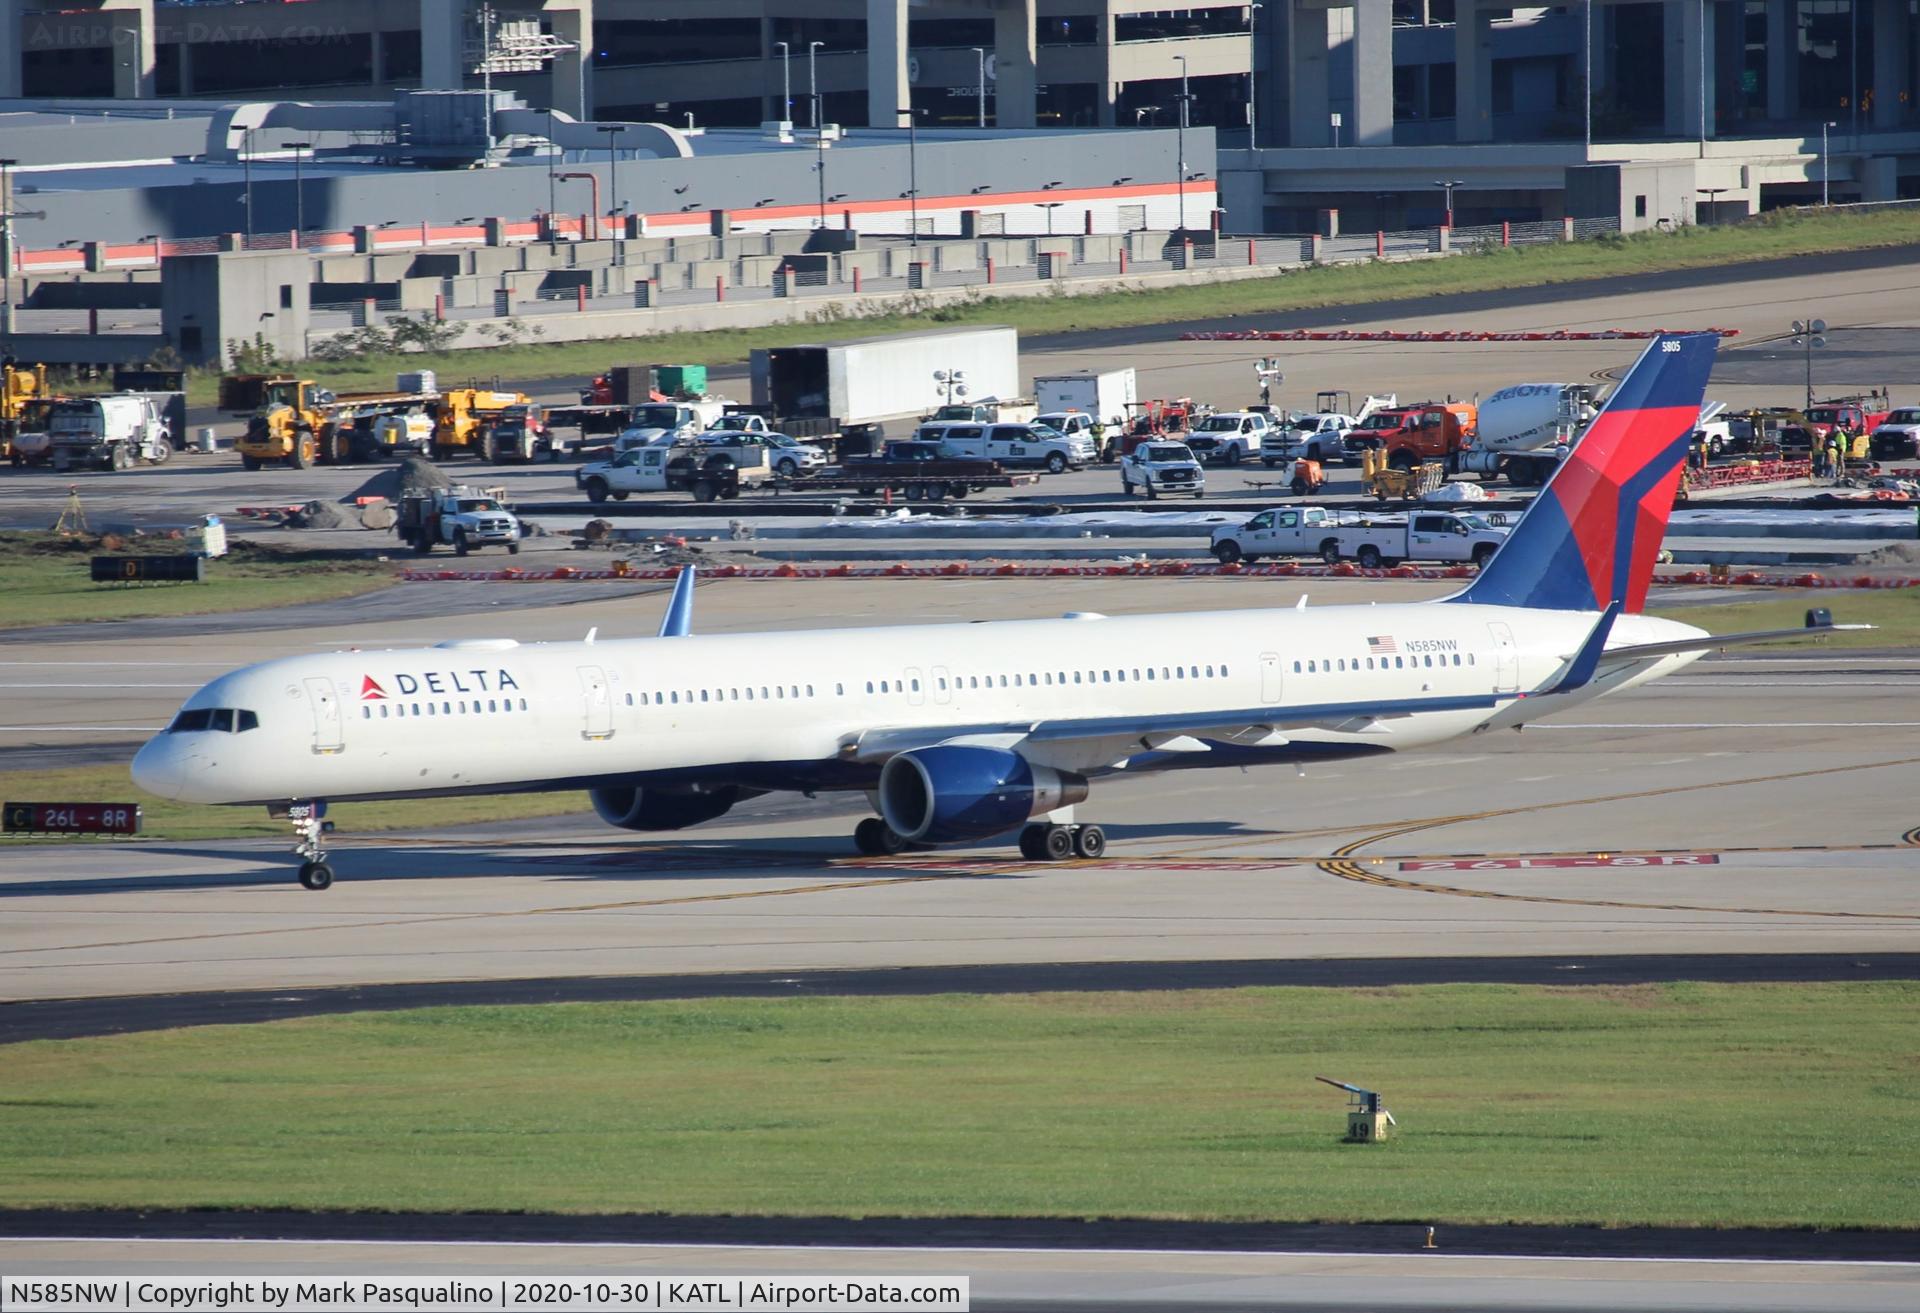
(1523, 432)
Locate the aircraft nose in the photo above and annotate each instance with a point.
(161, 767)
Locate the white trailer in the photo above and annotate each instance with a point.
(1104, 394)
(851, 389)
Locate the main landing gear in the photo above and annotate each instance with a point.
(310, 824)
(1056, 843)
(1040, 842)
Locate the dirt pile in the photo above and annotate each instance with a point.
(414, 474)
(317, 515)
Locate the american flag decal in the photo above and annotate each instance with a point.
(1383, 646)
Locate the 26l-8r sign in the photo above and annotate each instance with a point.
(70, 818)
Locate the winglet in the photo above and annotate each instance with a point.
(678, 621)
(1587, 659)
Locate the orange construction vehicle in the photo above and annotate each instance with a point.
(1429, 432)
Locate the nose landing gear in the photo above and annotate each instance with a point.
(309, 825)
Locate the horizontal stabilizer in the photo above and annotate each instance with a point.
(1710, 642)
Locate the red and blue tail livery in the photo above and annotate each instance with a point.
(1590, 539)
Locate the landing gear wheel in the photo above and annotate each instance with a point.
(875, 838)
(1057, 843)
(1032, 843)
(1089, 841)
(311, 827)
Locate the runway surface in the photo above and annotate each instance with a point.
(1008, 1280)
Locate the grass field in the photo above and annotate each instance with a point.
(1677, 1104)
(1777, 235)
(181, 821)
(44, 580)
(1894, 613)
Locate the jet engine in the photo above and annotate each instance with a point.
(657, 809)
(954, 793)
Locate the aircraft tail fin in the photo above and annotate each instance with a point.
(1590, 539)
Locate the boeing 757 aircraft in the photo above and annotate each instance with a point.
(960, 732)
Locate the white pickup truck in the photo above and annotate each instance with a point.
(1013, 445)
(706, 472)
(1321, 436)
(1229, 436)
(1372, 540)
(667, 421)
(1162, 467)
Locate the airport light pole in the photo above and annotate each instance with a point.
(1713, 194)
(613, 132)
(1253, 64)
(1447, 185)
(913, 174)
(1807, 335)
(592, 180)
(813, 86)
(786, 82)
(6, 252)
(1826, 162)
(299, 190)
(980, 54)
(1586, 51)
(1180, 148)
(246, 167)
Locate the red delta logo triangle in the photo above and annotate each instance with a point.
(370, 689)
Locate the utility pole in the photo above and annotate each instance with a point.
(1826, 163)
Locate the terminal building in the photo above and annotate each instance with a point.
(1652, 111)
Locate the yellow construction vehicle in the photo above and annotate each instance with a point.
(297, 422)
(462, 420)
(23, 394)
(1381, 479)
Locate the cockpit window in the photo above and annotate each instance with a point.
(224, 720)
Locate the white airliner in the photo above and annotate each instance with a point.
(960, 732)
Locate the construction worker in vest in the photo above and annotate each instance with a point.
(1836, 461)
(1100, 451)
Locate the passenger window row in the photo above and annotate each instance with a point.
(1324, 666)
(945, 683)
(401, 710)
(765, 693)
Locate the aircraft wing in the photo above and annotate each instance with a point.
(1112, 738)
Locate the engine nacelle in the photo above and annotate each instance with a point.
(653, 809)
(955, 793)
